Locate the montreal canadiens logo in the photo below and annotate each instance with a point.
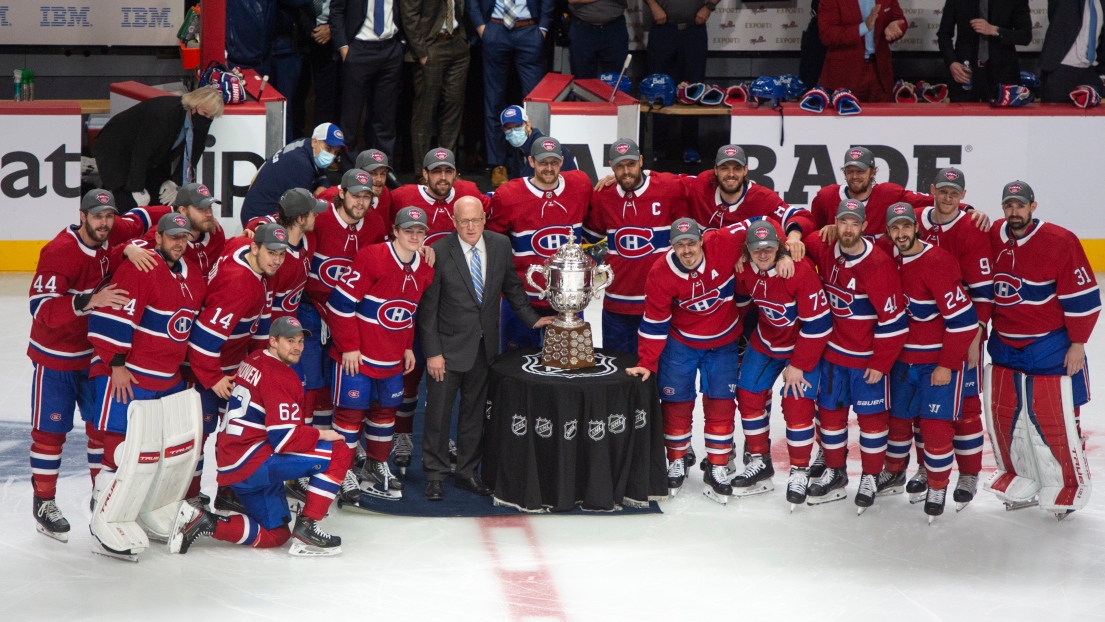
(634, 242)
(840, 300)
(202, 190)
(548, 145)
(362, 179)
(951, 175)
(331, 271)
(776, 314)
(103, 197)
(291, 301)
(730, 151)
(180, 325)
(1007, 290)
(546, 241)
(621, 147)
(509, 113)
(1014, 188)
(704, 304)
(855, 154)
(353, 393)
(396, 314)
(430, 239)
(761, 233)
(339, 135)
(441, 154)
(683, 227)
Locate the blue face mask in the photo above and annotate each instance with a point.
(516, 136)
(324, 159)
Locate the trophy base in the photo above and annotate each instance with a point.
(568, 348)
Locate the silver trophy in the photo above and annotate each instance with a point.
(571, 278)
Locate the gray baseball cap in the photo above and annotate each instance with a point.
(547, 147)
(761, 235)
(952, 177)
(624, 149)
(408, 217)
(859, 156)
(272, 236)
(372, 159)
(439, 156)
(1018, 190)
(287, 326)
(685, 228)
(900, 211)
(356, 180)
(731, 153)
(851, 207)
(194, 195)
(96, 201)
(298, 201)
(174, 223)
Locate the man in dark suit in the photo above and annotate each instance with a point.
(439, 44)
(458, 320)
(1072, 48)
(366, 34)
(983, 51)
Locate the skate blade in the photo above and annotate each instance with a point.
(860, 509)
(295, 506)
(1013, 506)
(959, 505)
(390, 495)
(156, 537)
(918, 497)
(835, 495)
(673, 492)
(302, 549)
(792, 506)
(758, 488)
(713, 496)
(60, 536)
(932, 519)
(893, 490)
(1062, 516)
(402, 470)
(99, 549)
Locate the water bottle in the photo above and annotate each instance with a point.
(18, 85)
(970, 76)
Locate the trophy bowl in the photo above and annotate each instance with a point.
(571, 282)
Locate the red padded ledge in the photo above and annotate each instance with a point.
(550, 87)
(934, 110)
(601, 89)
(142, 92)
(52, 108)
(599, 109)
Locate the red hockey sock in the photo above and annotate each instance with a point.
(194, 487)
(322, 413)
(938, 451)
(720, 418)
(798, 414)
(378, 432)
(677, 428)
(45, 462)
(244, 530)
(347, 422)
(918, 440)
(404, 416)
(898, 443)
(754, 420)
(833, 433)
(967, 442)
(95, 450)
(112, 440)
(323, 487)
(873, 430)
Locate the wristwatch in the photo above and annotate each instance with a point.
(711, 6)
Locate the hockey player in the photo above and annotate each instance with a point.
(375, 163)
(792, 329)
(539, 214)
(194, 202)
(264, 442)
(947, 226)
(689, 297)
(1046, 304)
(64, 291)
(869, 328)
(634, 217)
(142, 364)
(928, 379)
(371, 314)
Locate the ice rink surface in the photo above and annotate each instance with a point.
(696, 561)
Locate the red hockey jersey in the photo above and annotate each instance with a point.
(263, 416)
(373, 308)
(1051, 287)
(696, 306)
(291, 280)
(338, 243)
(204, 252)
(152, 330)
(865, 297)
(380, 204)
(711, 211)
(439, 212)
(794, 319)
(539, 222)
(971, 248)
(882, 196)
(636, 226)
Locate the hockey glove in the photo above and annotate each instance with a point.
(737, 94)
(1085, 96)
(815, 101)
(688, 93)
(845, 103)
(905, 92)
(1011, 96)
(712, 96)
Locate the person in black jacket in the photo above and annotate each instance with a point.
(1072, 48)
(983, 53)
(154, 146)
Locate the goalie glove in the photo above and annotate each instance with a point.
(845, 103)
(1011, 96)
(688, 93)
(815, 101)
(1084, 96)
(905, 92)
(712, 96)
(737, 94)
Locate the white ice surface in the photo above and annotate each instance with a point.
(697, 561)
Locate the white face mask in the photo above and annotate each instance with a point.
(516, 136)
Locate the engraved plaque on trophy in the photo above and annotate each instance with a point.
(571, 282)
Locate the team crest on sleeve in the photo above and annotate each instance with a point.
(396, 314)
(543, 427)
(180, 325)
(634, 242)
(518, 425)
(596, 430)
(1007, 288)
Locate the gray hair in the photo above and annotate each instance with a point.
(204, 95)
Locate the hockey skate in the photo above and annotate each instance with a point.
(717, 488)
(296, 491)
(888, 483)
(689, 459)
(934, 503)
(917, 485)
(401, 449)
(865, 496)
(756, 478)
(730, 466)
(226, 500)
(676, 474)
(817, 465)
(359, 458)
(200, 501)
(350, 489)
(377, 481)
(965, 490)
(191, 523)
(829, 487)
(310, 541)
(1013, 506)
(49, 521)
(99, 549)
(797, 483)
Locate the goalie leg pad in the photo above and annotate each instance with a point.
(181, 444)
(1061, 465)
(1015, 480)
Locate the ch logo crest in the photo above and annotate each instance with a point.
(570, 429)
(596, 430)
(518, 425)
(616, 423)
(543, 427)
(640, 419)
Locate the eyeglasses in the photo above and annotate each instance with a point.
(470, 222)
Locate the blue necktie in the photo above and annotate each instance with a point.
(476, 268)
(378, 17)
(186, 176)
(1091, 52)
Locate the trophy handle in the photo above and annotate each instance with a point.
(529, 278)
(609, 272)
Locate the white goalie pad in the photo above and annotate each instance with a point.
(181, 444)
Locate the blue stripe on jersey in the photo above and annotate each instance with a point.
(206, 340)
(790, 213)
(110, 328)
(982, 292)
(818, 326)
(638, 242)
(548, 239)
(1010, 290)
(155, 320)
(651, 329)
(1081, 303)
(922, 310)
(965, 319)
(279, 435)
(243, 328)
(896, 326)
(592, 237)
(341, 303)
(37, 301)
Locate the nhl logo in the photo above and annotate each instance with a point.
(548, 145)
(180, 221)
(203, 191)
(852, 205)
(1014, 188)
(414, 214)
(543, 427)
(640, 419)
(761, 233)
(855, 154)
(616, 423)
(293, 322)
(362, 179)
(280, 234)
(730, 151)
(899, 209)
(518, 425)
(951, 175)
(376, 155)
(621, 148)
(441, 154)
(596, 430)
(570, 429)
(103, 197)
(683, 226)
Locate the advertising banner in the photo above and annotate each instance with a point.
(91, 22)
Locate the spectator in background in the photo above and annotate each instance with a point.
(985, 33)
(300, 164)
(512, 33)
(1072, 48)
(153, 147)
(677, 46)
(366, 34)
(325, 64)
(439, 44)
(521, 135)
(599, 37)
(858, 34)
(812, 57)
